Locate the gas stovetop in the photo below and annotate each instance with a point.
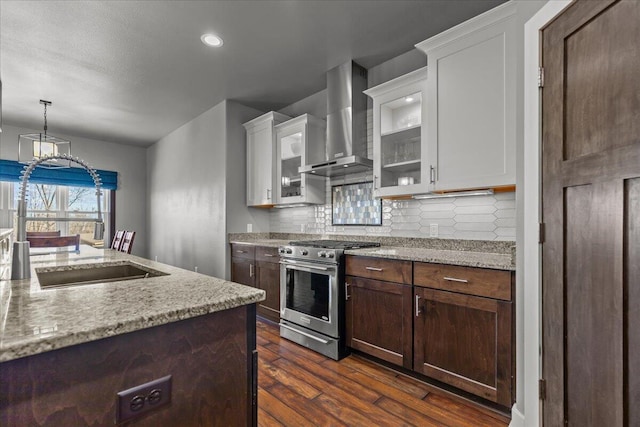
(334, 244)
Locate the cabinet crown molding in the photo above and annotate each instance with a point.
(491, 17)
(269, 117)
(304, 118)
(398, 82)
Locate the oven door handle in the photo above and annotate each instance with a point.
(304, 333)
(302, 266)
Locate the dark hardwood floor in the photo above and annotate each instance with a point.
(298, 387)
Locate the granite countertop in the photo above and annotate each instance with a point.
(272, 243)
(35, 320)
(464, 258)
(497, 255)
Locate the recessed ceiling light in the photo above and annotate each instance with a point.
(211, 40)
(408, 99)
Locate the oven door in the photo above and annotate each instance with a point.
(309, 295)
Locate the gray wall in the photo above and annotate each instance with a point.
(196, 190)
(130, 163)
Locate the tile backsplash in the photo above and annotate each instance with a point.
(474, 218)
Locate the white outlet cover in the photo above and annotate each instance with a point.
(433, 230)
(249, 228)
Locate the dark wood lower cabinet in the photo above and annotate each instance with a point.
(450, 323)
(268, 279)
(242, 271)
(379, 319)
(465, 341)
(259, 267)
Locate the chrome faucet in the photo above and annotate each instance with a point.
(20, 263)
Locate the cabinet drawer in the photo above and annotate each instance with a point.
(243, 251)
(267, 254)
(467, 280)
(389, 270)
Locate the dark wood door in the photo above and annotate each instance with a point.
(379, 319)
(464, 341)
(242, 271)
(268, 279)
(591, 208)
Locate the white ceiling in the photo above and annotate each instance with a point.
(133, 71)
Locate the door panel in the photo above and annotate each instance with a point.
(590, 170)
(268, 279)
(593, 294)
(464, 341)
(597, 119)
(632, 289)
(379, 320)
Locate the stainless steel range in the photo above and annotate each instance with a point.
(312, 294)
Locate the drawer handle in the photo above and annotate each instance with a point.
(241, 252)
(417, 306)
(373, 268)
(453, 279)
(269, 255)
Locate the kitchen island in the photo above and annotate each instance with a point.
(65, 352)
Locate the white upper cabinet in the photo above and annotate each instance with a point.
(400, 155)
(471, 102)
(297, 140)
(261, 154)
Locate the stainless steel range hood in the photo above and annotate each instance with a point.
(346, 148)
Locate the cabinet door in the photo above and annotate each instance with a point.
(399, 142)
(260, 169)
(268, 279)
(464, 341)
(242, 271)
(379, 319)
(471, 108)
(295, 140)
(260, 158)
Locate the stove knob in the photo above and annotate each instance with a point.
(289, 250)
(330, 254)
(304, 252)
(322, 254)
(281, 250)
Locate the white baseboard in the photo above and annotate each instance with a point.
(517, 417)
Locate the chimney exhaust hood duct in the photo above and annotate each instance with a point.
(346, 148)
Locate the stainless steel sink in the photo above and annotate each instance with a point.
(94, 273)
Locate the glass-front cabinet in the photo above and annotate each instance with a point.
(295, 140)
(399, 141)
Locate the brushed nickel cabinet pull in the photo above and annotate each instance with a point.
(373, 268)
(250, 270)
(432, 174)
(269, 255)
(241, 252)
(453, 279)
(346, 291)
(417, 306)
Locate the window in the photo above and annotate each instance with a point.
(57, 201)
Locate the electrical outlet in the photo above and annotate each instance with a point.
(302, 228)
(433, 230)
(249, 228)
(141, 399)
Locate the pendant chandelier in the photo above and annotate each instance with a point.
(38, 145)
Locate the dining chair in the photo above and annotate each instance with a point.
(116, 243)
(127, 241)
